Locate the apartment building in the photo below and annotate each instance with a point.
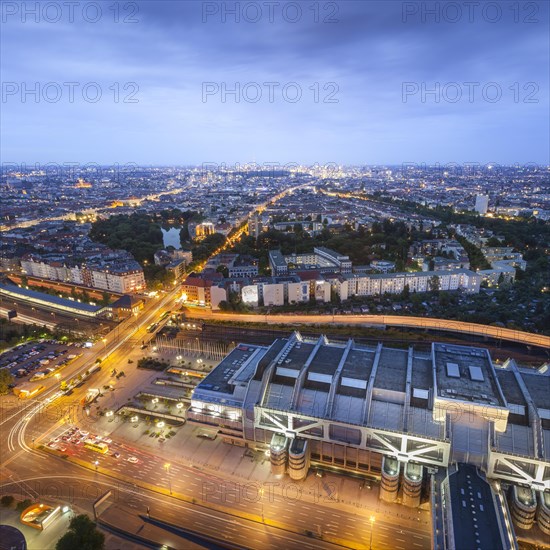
(121, 276)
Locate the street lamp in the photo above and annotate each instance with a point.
(167, 468)
(372, 519)
(262, 501)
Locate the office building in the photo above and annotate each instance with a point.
(482, 204)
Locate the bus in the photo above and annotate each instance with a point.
(97, 447)
(27, 391)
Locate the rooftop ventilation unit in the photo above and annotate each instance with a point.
(452, 370)
(476, 374)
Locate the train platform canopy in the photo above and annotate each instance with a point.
(48, 301)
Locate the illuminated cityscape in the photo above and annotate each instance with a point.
(275, 275)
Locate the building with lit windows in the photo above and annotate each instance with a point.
(204, 229)
(397, 414)
(322, 259)
(482, 204)
(123, 276)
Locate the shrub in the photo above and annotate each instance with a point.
(7, 501)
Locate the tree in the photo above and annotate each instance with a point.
(433, 283)
(82, 534)
(6, 379)
(105, 299)
(444, 298)
(493, 241)
(223, 270)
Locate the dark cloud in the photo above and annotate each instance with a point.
(371, 49)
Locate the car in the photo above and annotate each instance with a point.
(107, 440)
(62, 449)
(52, 444)
(116, 455)
(84, 433)
(132, 459)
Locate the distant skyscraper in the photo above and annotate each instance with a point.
(255, 225)
(482, 204)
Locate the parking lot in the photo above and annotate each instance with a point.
(40, 359)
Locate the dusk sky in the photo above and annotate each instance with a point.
(179, 56)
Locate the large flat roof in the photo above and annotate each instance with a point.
(218, 379)
(326, 360)
(466, 374)
(277, 258)
(422, 372)
(296, 357)
(538, 386)
(392, 370)
(510, 387)
(358, 364)
(303, 373)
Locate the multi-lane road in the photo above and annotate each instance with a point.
(268, 517)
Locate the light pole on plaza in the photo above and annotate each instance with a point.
(372, 519)
(167, 468)
(262, 501)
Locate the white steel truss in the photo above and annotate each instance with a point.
(403, 446)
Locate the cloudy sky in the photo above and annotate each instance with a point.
(358, 82)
